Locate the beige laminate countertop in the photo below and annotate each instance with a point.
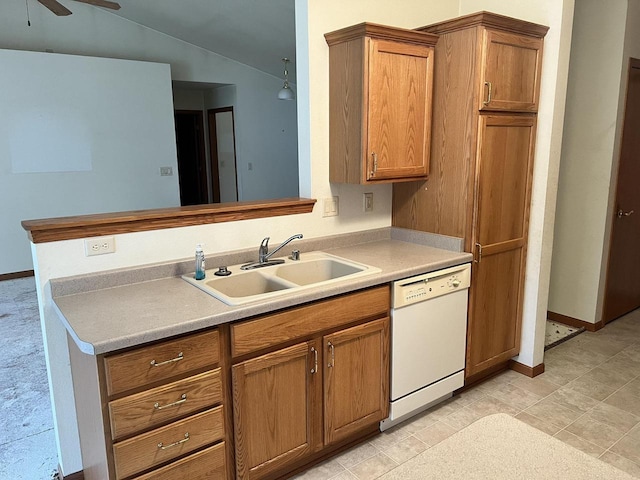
(110, 319)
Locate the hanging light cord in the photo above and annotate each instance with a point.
(26, 2)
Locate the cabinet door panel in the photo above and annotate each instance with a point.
(399, 110)
(493, 334)
(274, 399)
(356, 378)
(510, 77)
(503, 195)
(503, 182)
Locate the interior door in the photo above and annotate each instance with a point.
(502, 197)
(622, 291)
(192, 167)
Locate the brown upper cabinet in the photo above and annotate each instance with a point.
(485, 98)
(510, 60)
(380, 86)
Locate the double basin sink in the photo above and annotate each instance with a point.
(312, 270)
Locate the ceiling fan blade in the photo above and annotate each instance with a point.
(102, 3)
(56, 7)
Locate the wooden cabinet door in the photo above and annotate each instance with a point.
(510, 72)
(399, 110)
(356, 382)
(275, 409)
(502, 198)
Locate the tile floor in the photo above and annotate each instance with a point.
(588, 397)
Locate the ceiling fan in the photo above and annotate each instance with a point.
(60, 10)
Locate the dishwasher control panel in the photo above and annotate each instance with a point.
(430, 285)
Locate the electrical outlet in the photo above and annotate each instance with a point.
(99, 246)
(368, 202)
(330, 207)
(166, 171)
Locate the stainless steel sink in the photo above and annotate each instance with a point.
(312, 270)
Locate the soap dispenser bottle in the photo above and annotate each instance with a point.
(199, 263)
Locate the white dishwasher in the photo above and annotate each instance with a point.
(428, 338)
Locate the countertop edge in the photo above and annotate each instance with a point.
(104, 344)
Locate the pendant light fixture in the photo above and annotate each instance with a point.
(286, 93)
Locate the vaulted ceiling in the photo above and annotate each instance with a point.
(258, 33)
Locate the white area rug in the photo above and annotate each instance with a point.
(500, 447)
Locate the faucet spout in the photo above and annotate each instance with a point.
(263, 252)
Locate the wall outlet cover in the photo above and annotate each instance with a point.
(99, 246)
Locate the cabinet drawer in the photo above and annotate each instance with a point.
(158, 405)
(270, 330)
(207, 464)
(164, 360)
(166, 443)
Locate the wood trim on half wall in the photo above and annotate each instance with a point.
(67, 228)
(71, 476)
(11, 276)
(574, 322)
(526, 369)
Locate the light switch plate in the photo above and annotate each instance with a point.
(330, 207)
(368, 202)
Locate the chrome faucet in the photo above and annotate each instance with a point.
(264, 254)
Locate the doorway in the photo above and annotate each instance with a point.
(222, 148)
(192, 165)
(622, 290)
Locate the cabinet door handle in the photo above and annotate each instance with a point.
(374, 159)
(183, 398)
(174, 444)
(315, 360)
(332, 351)
(489, 88)
(158, 364)
(479, 256)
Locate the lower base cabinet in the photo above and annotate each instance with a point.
(304, 382)
(293, 402)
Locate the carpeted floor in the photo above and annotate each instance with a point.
(500, 447)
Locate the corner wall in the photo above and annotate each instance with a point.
(588, 158)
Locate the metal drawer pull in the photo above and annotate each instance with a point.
(315, 360)
(333, 354)
(183, 398)
(174, 444)
(177, 359)
(490, 87)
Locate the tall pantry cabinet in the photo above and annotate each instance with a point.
(486, 88)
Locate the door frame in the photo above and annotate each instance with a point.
(213, 150)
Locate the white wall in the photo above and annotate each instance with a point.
(65, 258)
(80, 135)
(263, 123)
(588, 157)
